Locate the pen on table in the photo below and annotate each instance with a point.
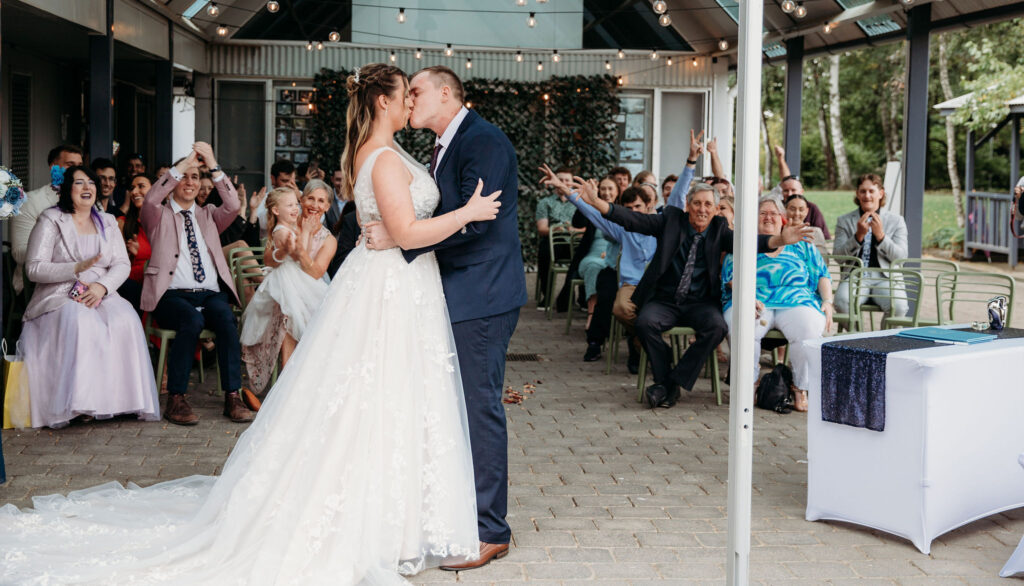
(951, 342)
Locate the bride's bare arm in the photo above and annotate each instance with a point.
(391, 188)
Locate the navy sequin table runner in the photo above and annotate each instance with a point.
(853, 376)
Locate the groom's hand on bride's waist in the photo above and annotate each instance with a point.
(377, 237)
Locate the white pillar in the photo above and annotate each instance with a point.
(741, 395)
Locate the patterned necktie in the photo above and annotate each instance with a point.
(865, 249)
(684, 282)
(193, 247)
(433, 158)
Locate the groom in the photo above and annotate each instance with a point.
(483, 278)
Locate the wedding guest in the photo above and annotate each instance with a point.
(649, 183)
(878, 237)
(553, 212)
(797, 207)
(667, 185)
(58, 160)
(85, 353)
(727, 209)
(598, 255)
(297, 254)
(205, 186)
(136, 165)
(622, 176)
(282, 174)
(135, 240)
(681, 287)
(790, 185)
(794, 295)
(188, 286)
(104, 169)
(723, 185)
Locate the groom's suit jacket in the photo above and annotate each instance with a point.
(481, 266)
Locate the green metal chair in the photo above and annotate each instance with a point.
(677, 338)
(560, 245)
(903, 285)
(839, 267)
(930, 269)
(574, 283)
(955, 289)
(165, 339)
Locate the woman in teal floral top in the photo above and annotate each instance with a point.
(794, 295)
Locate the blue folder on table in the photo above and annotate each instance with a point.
(945, 336)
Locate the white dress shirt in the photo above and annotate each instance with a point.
(183, 277)
(449, 133)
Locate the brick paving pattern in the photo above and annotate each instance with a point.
(602, 489)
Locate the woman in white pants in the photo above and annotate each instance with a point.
(794, 295)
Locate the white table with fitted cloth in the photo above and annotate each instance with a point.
(954, 427)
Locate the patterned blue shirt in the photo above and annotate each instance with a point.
(788, 280)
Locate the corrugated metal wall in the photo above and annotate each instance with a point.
(293, 61)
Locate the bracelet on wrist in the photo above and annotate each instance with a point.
(691, 161)
(273, 254)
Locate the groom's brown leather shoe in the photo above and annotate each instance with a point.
(488, 552)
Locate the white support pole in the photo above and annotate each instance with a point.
(741, 396)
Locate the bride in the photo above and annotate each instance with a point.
(357, 468)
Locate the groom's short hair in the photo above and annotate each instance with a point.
(443, 76)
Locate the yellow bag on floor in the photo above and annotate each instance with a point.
(17, 411)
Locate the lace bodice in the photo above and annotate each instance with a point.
(425, 195)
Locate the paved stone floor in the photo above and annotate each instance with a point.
(602, 489)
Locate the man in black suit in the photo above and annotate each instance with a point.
(682, 284)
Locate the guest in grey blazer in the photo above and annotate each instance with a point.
(876, 236)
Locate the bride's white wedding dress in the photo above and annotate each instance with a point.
(356, 470)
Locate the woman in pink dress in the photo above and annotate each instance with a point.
(278, 312)
(85, 353)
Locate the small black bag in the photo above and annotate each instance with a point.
(774, 390)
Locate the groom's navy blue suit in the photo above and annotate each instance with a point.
(484, 285)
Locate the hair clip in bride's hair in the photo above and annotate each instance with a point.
(356, 75)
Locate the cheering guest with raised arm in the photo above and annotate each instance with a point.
(188, 286)
(681, 286)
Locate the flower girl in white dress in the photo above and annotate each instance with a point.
(282, 305)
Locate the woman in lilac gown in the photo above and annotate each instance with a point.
(83, 345)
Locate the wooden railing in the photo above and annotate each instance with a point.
(988, 225)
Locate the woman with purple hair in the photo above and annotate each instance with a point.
(83, 345)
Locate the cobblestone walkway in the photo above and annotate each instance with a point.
(602, 489)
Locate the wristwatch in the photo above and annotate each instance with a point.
(691, 162)
(215, 169)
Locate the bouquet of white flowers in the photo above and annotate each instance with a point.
(11, 194)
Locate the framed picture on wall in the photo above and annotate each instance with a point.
(282, 155)
(308, 139)
(287, 95)
(302, 109)
(306, 96)
(299, 123)
(284, 109)
(296, 138)
(284, 122)
(301, 157)
(281, 138)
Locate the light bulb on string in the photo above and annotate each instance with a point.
(608, 65)
(448, 50)
(273, 6)
(520, 2)
(668, 62)
(665, 19)
(419, 54)
(213, 9)
(660, 6)
(694, 61)
(222, 31)
(829, 27)
(622, 54)
(319, 46)
(401, 15)
(392, 57)
(620, 81)
(519, 56)
(801, 11)
(540, 66)
(788, 6)
(654, 55)
(555, 56)
(309, 45)
(532, 21)
(334, 37)
(469, 64)
(723, 45)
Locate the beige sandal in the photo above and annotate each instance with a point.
(800, 400)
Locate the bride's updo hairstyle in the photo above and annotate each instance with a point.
(368, 83)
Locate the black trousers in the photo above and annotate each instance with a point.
(188, 313)
(601, 321)
(656, 317)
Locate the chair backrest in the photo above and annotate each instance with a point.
(236, 253)
(903, 285)
(956, 289)
(560, 244)
(246, 275)
(930, 268)
(839, 266)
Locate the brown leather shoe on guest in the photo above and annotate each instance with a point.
(488, 552)
(235, 410)
(178, 411)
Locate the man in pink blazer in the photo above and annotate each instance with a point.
(187, 285)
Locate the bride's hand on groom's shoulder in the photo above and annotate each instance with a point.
(377, 236)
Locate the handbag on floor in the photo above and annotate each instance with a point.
(17, 410)
(774, 390)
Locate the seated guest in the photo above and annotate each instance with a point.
(878, 237)
(205, 186)
(667, 185)
(681, 286)
(791, 185)
(59, 159)
(794, 295)
(188, 286)
(85, 353)
(297, 255)
(622, 176)
(727, 209)
(553, 212)
(135, 240)
(104, 169)
(797, 207)
(647, 181)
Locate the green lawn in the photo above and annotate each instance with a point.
(939, 211)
